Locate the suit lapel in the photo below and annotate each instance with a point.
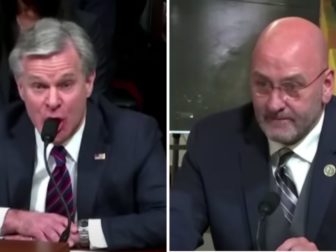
(91, 162)
(21, 166)
(322, 186)
(255, 170)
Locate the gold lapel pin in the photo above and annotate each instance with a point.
(329, 170)
(100, 156)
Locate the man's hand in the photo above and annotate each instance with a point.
(38, 226)
(74, 236)
(297, 243)
(17, 238)
(72, 241)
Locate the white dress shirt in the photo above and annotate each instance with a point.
(304, 153)
(41, 180)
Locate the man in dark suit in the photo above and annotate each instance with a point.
(284, 141)
(108, 163)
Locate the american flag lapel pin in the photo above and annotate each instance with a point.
(100, 156)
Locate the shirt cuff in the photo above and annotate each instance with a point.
(96, 235)
(3, 212)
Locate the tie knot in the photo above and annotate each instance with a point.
(284, 154)
(59, 154)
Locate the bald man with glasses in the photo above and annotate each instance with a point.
(282, 142)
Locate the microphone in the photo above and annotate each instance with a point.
(48, 134)
(265, 208)
(49, 130)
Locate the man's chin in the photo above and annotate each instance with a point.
(59, 139)
(284, 137)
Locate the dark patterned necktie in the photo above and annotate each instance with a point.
(286, 187)
(62, 178)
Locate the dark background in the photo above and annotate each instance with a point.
(210, 47)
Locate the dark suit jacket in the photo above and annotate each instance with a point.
(126, 190)
(105, 11)
(225, 174)
(89, 22)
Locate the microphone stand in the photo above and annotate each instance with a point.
(261, 232)
(66, 233)
(266, 207)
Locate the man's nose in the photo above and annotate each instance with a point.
(53, 99)
(276, 100)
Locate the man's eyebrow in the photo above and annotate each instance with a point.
(260, 75)
(34, 78)
(295, 76)
(68, 76)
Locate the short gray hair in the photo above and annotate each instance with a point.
(49, 36)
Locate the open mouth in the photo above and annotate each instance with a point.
(60, 123)
(60, 126)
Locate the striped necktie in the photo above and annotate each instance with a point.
(285, 185)
(62, 178)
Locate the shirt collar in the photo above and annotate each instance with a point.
(306, 147)
(72, 145)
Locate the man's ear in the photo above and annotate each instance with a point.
(19, 85)
(89, 83)
(328, 86)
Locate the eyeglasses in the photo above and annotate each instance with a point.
(288, 88)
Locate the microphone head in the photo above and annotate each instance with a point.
(269, 203)
(49, 130)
